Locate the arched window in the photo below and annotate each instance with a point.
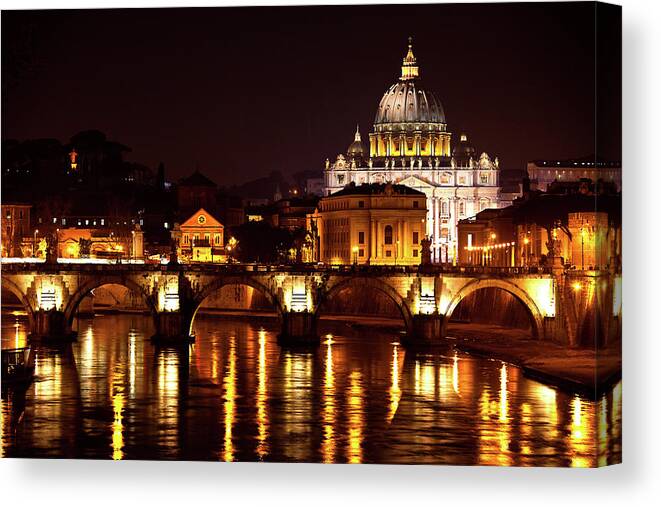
(387, 234)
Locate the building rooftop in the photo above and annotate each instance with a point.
(197, 179)
(376, 189)
(589, 161)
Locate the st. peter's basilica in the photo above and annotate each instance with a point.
(411, 145)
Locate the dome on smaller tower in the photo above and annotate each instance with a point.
(463, 149)
(356, 149)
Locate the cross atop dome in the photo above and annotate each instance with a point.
(409, 64)
(357, 136)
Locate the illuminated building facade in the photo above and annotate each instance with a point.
(374, 223)
(201, 238)
(15, 226)
(100, 243)
(543, 173)
(410, 145)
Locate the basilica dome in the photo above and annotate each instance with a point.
(407, 101)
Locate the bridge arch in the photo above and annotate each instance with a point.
(89, 284)
(536, 318)
(224, 281)
(374, 283)
(16, 291)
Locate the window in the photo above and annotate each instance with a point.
(470, 239)
(20, 213)
(64, 221)
(54, 220)
(103, 221)
(165, 225)
(185, 239)
(388, 253)
(361, 204)
(361, 252)
(415, 238)
(416, 204)
(387, 233)
(444, 209)
(462, 208)
(361, 238)
(207, 238)
(216, 239)
(415, 253)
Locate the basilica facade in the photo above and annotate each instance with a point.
(410, 145)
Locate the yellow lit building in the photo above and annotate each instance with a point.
(201, 238)
(372, 224)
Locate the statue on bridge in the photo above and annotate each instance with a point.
(51, 248)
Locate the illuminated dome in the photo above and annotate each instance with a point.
(407, 101)
(356, 149)
(410, 121)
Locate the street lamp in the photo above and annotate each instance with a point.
(583, 246)
(34, 243)
(355, 254)
(526, 252)
(396, 251)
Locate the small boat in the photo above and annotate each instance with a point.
(17, 366)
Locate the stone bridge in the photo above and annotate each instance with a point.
(567, 307)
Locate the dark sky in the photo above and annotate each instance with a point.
(241, 92)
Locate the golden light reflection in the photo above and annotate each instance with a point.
(425, 382)
(355, 419)
(117, 427)
(503, 394)
(262, 414)
(328, 443)
(455, 373)
(395, 392)
(579, 441)
(132, 343)
(494, 439)
(229, 385)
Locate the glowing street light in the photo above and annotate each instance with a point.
(355, 254)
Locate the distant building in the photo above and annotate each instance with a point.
(488, 238)
(194, 192)
(544, 172)
(15, 226)
(201, 238)
(561, 223)
(314, 186)
(375, 223)
(100, 243)
(290, 213)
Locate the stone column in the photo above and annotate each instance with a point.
(50, 325)
(299, 329)
(426, 330)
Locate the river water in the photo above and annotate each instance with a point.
(237, 396)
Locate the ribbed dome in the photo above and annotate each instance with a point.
(407, 102)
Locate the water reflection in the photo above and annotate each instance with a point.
(236, 395)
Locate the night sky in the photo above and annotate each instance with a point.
(241, 92)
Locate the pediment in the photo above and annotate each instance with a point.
(416, 182)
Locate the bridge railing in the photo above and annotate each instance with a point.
(209, 268)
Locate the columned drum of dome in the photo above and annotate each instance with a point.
(410, 145)
(410, 120)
